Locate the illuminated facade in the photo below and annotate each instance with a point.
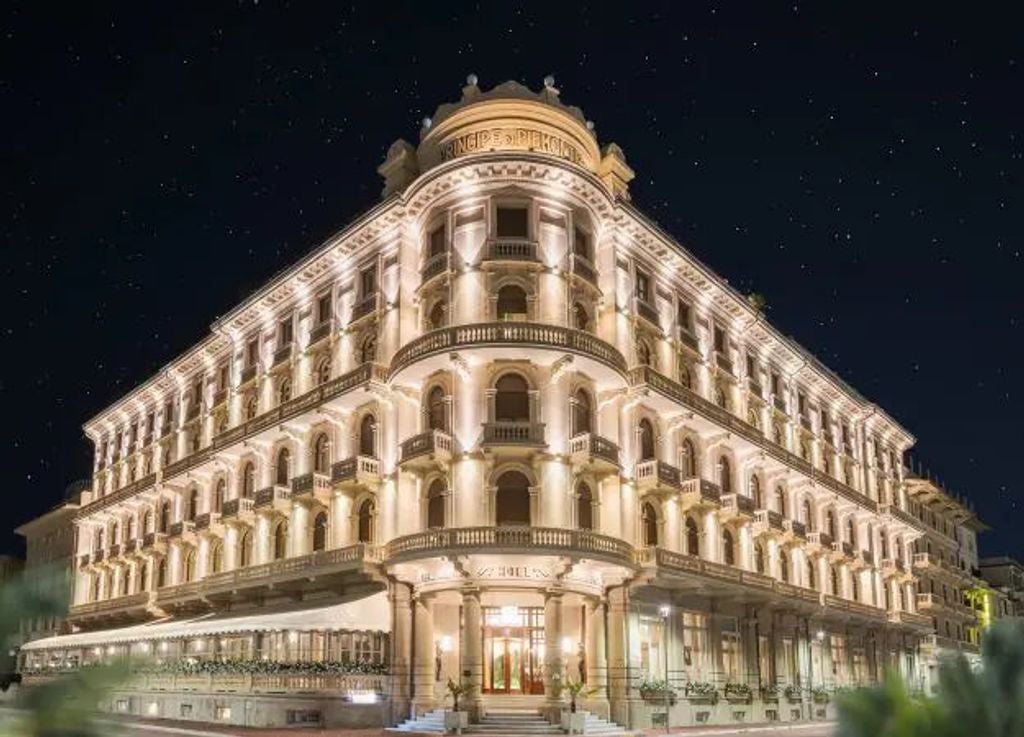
(508, 411)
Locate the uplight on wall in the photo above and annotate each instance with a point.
(445, 644)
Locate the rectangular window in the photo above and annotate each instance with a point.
(643, 287)
(150, 428)
(719, 340)
(133, 435)
(732, 657)
(222, 377)
(581, 243)
(252, 352)
(438, 244)
(511, 222)
(801, 404)
(284, 332)
(324, 307)
(651, 647)
(684, 316)
(168, 417)
(776, 381)
(751, 367)
(368, 281)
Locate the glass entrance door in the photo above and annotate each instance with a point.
(513, 651)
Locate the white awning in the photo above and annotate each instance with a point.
(371, 613)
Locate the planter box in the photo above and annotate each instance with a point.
(659, 697)
(456, 721)
(574, 722)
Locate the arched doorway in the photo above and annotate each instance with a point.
(368, 436)
(435, 505)
(320, 531)
(649, 523)
(584, 507)
(365, 521)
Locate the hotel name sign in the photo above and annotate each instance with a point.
(510, 138)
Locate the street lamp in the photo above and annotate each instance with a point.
(665, 610)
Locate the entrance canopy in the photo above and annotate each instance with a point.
(371, 613)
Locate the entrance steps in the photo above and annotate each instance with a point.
(509, 724)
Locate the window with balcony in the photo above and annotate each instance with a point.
(281, 540)
(437, 243)
(580, 317)
(649, 524)
(687, 459)
(324, 308)
(645, 432)
(783, 566)
(806, 515)
(192, 504)
(692, 537)
(365, 532)
(320, 532)
(248, 480)
(512, 499)
(511, 399)
(511, 222)
(245, 549)
(581, 245)
(322, 454)
(780, 501)
(161, 573)
(368, 349)
(165, 516)
(642, 287)
(282, 468)
(368, 436)
(759, 557)
(724, 475)
(368, 282)
(220, 491)
(754, 487)
(216, 558)
(830, 524)
(436, 495)
(437, 410)
(511, 304)
(188, 573)
(437, 318)
(812, 578)
(728, 548)
(252, 352)
(582, 412)
(584, 507)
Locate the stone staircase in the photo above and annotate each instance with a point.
(508, 723)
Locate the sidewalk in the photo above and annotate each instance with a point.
(786, 728)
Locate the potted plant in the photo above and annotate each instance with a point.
(456, 720)
(657, 691)
(701, 691)
(574, 722)
(738, 692)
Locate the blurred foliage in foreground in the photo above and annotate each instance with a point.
(64, 706)
(987, 702)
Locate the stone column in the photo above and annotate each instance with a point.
(554, 665)
(472, 652)
(618, 657)
(597, 658)
(401, 651)
(423, 673)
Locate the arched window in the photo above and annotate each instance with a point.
(830, 524)
(438, 316)
(367, 516)
(512, 500)
(754, 419)
(720, 398)
(165, 516)
(806, 517)
(783, 566)
(98, 540)
(584, 508)
(851, 533)
(646, 440)
(688, 459)
(323, 370)
(692, 537)
(511, 399)
(649, 519)
(192, 504)
(282, 470)
(220, 490)
(131, 528)
(884, 544)
(805, 450)
(778, 435)
(511, 302)
(435, 504)
(284, 390)
(189, 572)
(322, 454)
(437, 413)
(755, 491)
(368, 436)
(643, 353)
(115, 533)
(581, 412)
(780, 500)
(216, 564)
(724, 475)
(834, 580)
(854, 588)
(161, 573)
(248, 480)
(252, 406)
(143, 573)
(245, 550)
(728, 548)
(580, 318)
(281, 540)
(125, 582)
(147, 521)
(812, 579)
(685, 378)
(368, 349)
(320, 532)
(759, 558)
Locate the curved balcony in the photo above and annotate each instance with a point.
(118, 610)
(488, 336)
(577, 544)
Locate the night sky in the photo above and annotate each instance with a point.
(861, 168)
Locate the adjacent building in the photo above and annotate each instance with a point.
(504, 429)
(1006, 576)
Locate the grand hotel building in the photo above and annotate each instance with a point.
(502, 429)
